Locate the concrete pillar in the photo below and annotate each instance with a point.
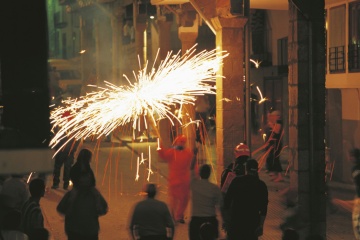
(230, 123)
(87, 58)
(116, 25)
(165, 127)
(140, 28)
(188, 36)
(164, 36)
(306, 81)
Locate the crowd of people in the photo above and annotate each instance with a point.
(21, 214)
(213, 208)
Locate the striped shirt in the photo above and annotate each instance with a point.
(31, 216)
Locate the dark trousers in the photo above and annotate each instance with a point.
(195, 224)
(77, 236)
(66, 159)
(154, 237)
(243, 232)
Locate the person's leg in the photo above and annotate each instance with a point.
(183, 199)
(68, 162)
(194, 228)
(172, 201)
(57, 167)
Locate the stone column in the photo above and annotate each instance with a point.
(164, 36)
(116, 25)
(140, 28)
(87, 55)
(165, 127)
(306, 85)
(230, 123)
(188, 36)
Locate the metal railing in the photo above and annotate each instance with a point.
(354, 58)
(337, 59)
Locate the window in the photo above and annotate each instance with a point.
(354, 36)
(337, 39)
(283, 51)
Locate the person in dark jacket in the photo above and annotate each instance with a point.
(82, 207)
(242, 154)
(151, 218)
(81, 172)
(245, 205)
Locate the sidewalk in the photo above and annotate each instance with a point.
(113, 226)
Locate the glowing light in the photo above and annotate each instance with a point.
(149, 170)
(82, 51)
(158, 144)
(137, 169)
(256, 62)
(262, 99)
(177, 80)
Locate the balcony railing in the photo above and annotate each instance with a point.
(354, 58)
(337, 59)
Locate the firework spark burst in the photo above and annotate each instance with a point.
(177, 81)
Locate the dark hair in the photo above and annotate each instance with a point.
(290, 234)
(37, 187)
(252, 165)
(84, 156)
(205, 171)
(151, 190)
(355, 152)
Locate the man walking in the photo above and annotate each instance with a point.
(205, 202)
(245, 205)
(151, 218)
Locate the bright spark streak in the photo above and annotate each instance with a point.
(262, 99)
(28, 180)
(137, 169)
(177, 80)
(226, 100)
(150, 171)
(256, 62)
(142, 159)
(158, 144)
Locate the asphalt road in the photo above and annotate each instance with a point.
(116, 167)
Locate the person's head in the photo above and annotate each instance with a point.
(180, 142)
(150, 189)
(205, 171)
(290, 234)
(37, 188)
(207, 231)
(84, 156)
(251, 166)
(355, 155)
(242, 150)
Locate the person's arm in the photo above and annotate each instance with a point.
(64, 204)
(263, 209)
(169, 222)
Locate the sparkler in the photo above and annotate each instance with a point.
(177, 80)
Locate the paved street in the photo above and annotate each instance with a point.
(115, 167)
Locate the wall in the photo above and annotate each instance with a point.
(279, 25)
